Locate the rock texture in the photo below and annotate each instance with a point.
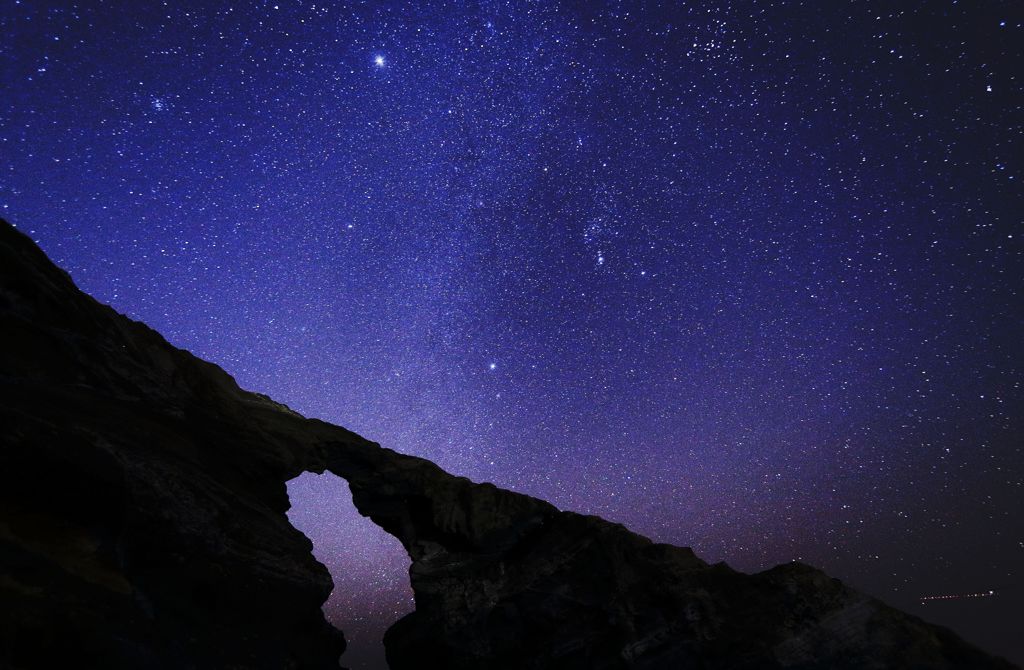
(142, 524)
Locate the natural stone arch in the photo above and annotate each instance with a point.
(192, 562)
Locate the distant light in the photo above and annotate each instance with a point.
(492, 366)
(378, 61)
(959, 596)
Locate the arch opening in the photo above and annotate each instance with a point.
(370, 567)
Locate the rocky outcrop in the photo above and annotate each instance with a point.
(142, 524)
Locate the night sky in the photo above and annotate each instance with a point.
(743, 276)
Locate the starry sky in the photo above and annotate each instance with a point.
(745, 276)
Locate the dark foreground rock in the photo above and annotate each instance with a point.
(142, 524)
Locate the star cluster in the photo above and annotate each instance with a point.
(744, 276)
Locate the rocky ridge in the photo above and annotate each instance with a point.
(142, 524)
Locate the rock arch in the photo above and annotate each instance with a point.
(144, 504)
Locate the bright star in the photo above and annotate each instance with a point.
(493, 366)
(379, 61)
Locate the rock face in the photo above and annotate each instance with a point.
(142, 524)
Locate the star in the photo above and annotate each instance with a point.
(378, 60)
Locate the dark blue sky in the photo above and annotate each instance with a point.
(744, 276)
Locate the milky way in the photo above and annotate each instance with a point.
(743, 276)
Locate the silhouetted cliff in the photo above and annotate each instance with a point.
(142, 524)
